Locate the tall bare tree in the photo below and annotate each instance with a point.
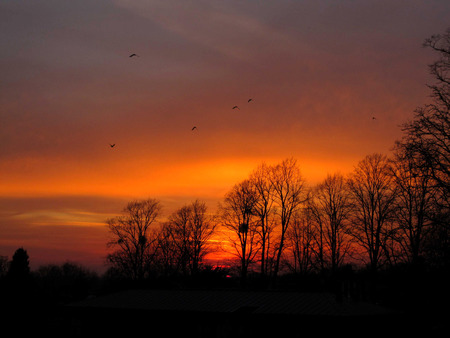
(301, 241)
(264, 209)
(373, 197)
(203, 228)
(178, 227)
(237, 215)
(415, 203)
(427, 137)
(289, 193)
(167, 255)
(330, 206)
(133, 237)
(190, 229)
(428, 134)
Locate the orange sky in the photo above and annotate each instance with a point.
(317, 71)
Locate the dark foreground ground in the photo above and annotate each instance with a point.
(220, 313)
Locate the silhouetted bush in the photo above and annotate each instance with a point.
(67, 282)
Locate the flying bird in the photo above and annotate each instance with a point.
(194, 128)
(250, 100)
(112, 145)
(373, 118)
(236, 107)
(133, 55)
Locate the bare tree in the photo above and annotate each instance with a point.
(237, 216)
(427, 136)
(264, 209)
(167, 256)
(415, 202)
(289, 193)
(190, 229)
(178, 228)
(372, 194)
(203, 228)
(300, 242)
(133, 237)
(330, 207)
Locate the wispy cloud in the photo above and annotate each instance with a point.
(215, 25)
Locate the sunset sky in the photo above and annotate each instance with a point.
(317, 71)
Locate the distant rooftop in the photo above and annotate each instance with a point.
(228, 301)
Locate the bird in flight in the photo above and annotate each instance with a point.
(112, 145)
(133, 55)
(250, 100)
(236, 107)
(373, 118)
(194, 127)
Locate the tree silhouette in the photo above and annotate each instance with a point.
(67, 282)
(167, 257)
(189, 230)
(237, 215)
(330, 207)
(133, 238)
(300, 243)
(414, 205)
(264, 209)
(427, 139)
(289, 194)
(3, 266)
(19, 281)
(373, 198)
(427, 136)
(202, 228)
(19, 269)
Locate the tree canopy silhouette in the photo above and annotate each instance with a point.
(186, 237)
(372, 195)
(427, 136)
(19, 268)
(427, 141)
(133, 238)
(237, 214)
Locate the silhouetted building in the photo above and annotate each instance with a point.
(194, 313)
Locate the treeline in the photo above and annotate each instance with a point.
(384, 215)
(50, 284)
(389, 213)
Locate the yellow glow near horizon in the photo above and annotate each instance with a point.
(204, 178)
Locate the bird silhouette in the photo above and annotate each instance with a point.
(194, 128)
(373, 118)
(112, 145)
(250, 100)
(132, 55)
(236, 107)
